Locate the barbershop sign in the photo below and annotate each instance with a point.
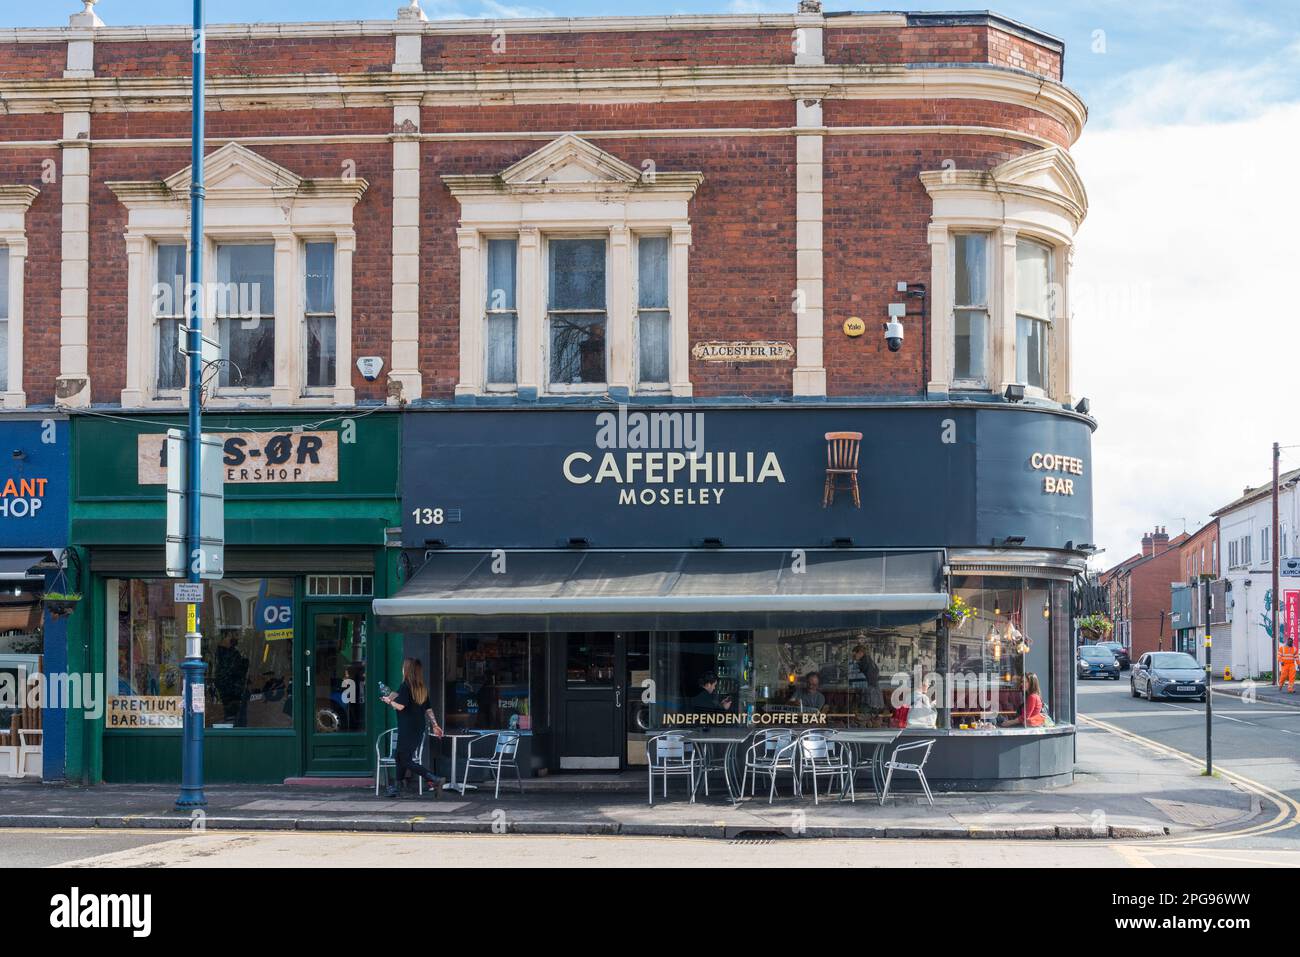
(271, 458)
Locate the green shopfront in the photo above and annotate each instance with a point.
(293, 657)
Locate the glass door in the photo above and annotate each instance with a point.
(334, 660)
(594, 696)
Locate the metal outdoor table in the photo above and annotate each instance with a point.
(464, 785)
(875, 738)
(710, 739)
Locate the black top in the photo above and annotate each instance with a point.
(410, 720)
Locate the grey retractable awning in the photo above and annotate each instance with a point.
(16, 565)
(596, 590)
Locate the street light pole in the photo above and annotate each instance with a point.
(1277, 558)
(1209, 691)
(193, 667)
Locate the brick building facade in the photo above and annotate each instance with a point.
(832, 157)
(1138, 593)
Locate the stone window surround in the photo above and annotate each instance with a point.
(14, 203)
(263, 202)
(570, 188)
(1037, 196)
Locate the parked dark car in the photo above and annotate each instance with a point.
(1094, 661)
(1119, 651)
(1167, 674)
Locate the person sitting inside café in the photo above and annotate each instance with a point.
(707, 700)
(810, 697)
(1030, 714)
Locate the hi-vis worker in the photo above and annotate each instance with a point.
(1288, 657)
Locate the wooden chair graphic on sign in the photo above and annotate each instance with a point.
(842, 462)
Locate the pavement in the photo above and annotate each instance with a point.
(1122, 790)
(1258, 691)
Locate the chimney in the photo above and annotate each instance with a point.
(1146, 545)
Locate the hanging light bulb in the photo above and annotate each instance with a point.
(1047, 608)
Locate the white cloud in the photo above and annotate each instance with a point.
(1178, 92)
(1187, 333)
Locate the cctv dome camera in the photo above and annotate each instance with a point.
(894, 335)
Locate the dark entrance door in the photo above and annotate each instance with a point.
(594, 697)
(334, 661)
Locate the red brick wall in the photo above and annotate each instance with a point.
(247, 57)
(32, 61)
(945, 112)
(938, 44)
(599, 49)
(875, 217)
(41, 304)
(372, 265)
(1150, 597)
(555, 117)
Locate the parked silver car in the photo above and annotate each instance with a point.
(1167, 674)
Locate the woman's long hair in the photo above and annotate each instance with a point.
(1031, 684)
(413, 675)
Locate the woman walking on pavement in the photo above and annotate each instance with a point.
(411, 702)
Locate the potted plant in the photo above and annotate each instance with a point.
(1096, 627)
(61, 604)
(957, 613)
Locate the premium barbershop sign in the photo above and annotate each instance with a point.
(254, 457)
(660, 458)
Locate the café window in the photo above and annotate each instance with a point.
(1035, 305)
(250, 666)
(487, 682)
(318, 316)
(1004, 643)
(576, 312)
(245, 311)
(970, 316)
(169, 314)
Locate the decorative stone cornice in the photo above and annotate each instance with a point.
(494, 87)
(18, 198)
(1047, 176)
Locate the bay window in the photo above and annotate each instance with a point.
(1034, 312)
(584, 263)
(277, 269)
(970, 317)
(502, 312)
(576, 311)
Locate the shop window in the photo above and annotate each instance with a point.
(653, 318)
(487, 682)
(245, 311)
(249, 653)
(576, 312)
(501, 310)
(970, 317)
(1006, 638)
(1034, 312)
(169, 314)
(318, 315)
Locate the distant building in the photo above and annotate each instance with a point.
(1138, 592)
(1198, 570)
(1246, 531)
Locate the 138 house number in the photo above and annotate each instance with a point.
(428, 516)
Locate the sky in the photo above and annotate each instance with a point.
(1187, 327)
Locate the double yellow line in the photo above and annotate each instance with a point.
(1288, 810)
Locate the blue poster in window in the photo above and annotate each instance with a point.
(274, 616)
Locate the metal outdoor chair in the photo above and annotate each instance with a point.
(914, 751)
(386, 757)
(30, 746)
(771, 752)
(670, 754)
(842, 463)
(505, 751)
(822, 756)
